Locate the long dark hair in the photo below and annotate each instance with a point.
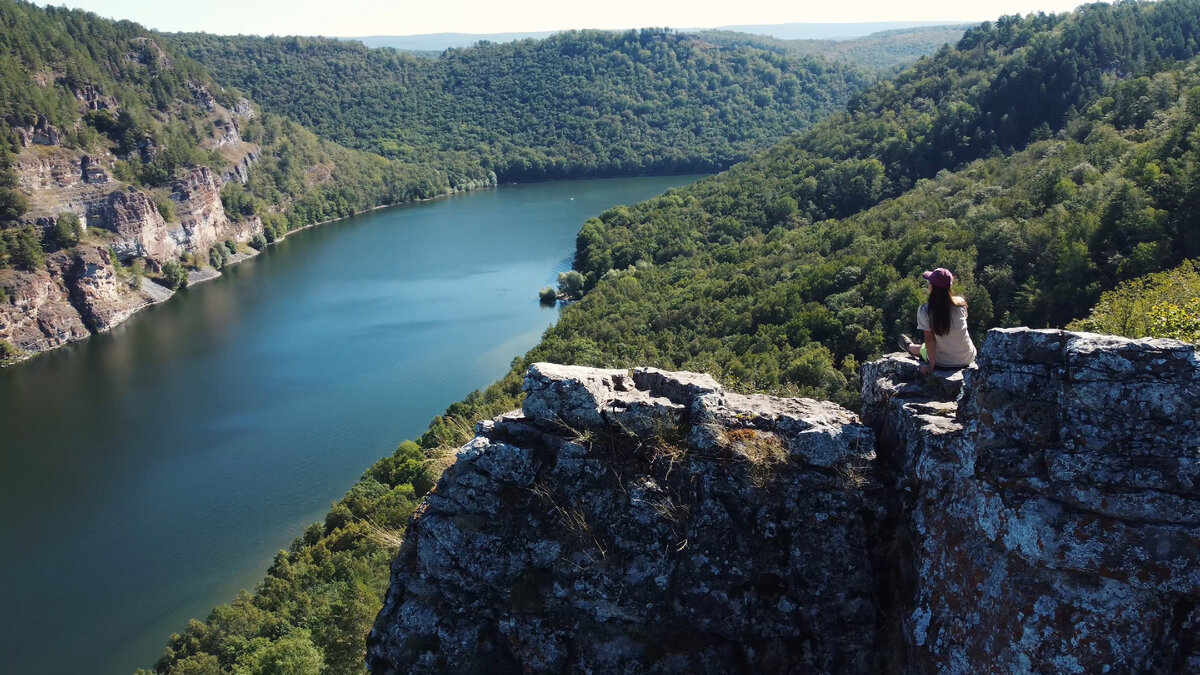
(940, 302)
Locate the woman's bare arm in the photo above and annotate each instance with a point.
(931, 348)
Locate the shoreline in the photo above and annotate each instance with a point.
(204, 276)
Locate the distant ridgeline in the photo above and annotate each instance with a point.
(1044, 159)
(586, 103)
(885, 49)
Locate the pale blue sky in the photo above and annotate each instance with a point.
(407, 17)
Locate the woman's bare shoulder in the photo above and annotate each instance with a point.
(959, 300)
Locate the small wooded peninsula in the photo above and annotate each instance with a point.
(1049, 160)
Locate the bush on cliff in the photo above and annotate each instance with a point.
(66, 231)
(1165, 304)
(8, 352)
(174, 275)
(24, 248)
(166, 207)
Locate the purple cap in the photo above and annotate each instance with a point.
(941, 277)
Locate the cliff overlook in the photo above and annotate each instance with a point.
(653, 521)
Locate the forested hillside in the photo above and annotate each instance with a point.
(576, 104)
(121, 161)
(882, 50)
(1043, 159)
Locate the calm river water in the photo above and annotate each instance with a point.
(149, 473)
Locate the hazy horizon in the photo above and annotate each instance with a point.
(366, 18)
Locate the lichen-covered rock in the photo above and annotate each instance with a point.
(1051, 520)
(644, 522)
(1043, 519)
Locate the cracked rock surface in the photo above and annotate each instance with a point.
(644, 521)
(1037, 513)
(1049, 519)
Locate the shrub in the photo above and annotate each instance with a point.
(230, 246)
(258, 241)
(166, 208)
(67, 230)
(24, 250)
(136, 271)
(1169, 320)
(8, 351)
(217, 256)
(1165, 304)
(174, 275)
(548, 296)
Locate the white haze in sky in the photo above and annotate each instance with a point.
(408, 17)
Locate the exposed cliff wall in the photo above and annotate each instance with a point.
(78, 293)
(1051, 516)
(1046, 521)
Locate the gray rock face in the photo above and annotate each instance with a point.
(1044, 519)
(1052, 517)
(618, 524)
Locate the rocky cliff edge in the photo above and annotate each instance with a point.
(648, 521)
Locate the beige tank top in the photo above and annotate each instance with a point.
(955, 347)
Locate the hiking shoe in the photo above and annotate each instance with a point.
(905, 343)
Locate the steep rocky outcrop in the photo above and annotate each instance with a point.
(133, 217)
(1046, 520)
(77, 294)
(80, 291)
(648, 520)
(103, 299)
(38, 315)
(202, 220)
(1051, 516)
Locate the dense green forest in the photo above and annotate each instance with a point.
(1045, 160)
(577, 104)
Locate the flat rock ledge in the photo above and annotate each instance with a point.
(641, 521)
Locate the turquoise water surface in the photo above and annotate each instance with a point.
(149, 473)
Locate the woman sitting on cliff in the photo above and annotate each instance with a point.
(944, 320)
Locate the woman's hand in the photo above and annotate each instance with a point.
(926, 370)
